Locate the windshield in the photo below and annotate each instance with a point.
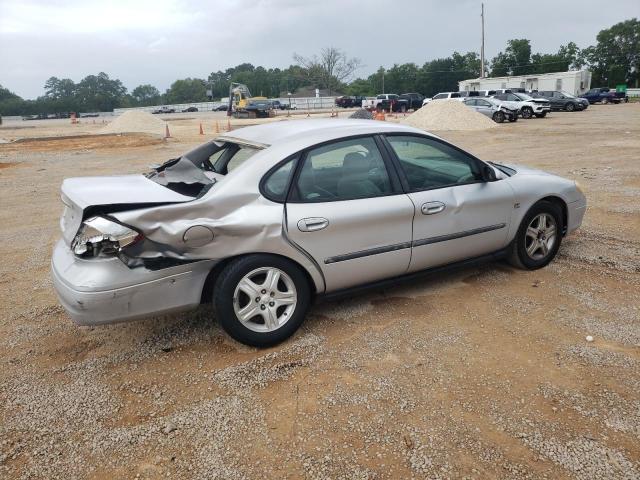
(523, 96)
(196, 171)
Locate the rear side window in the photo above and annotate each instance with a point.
(276, 182)
(440, 95)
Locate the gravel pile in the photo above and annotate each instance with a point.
(136, 122)
(362, 114)
(448, 115)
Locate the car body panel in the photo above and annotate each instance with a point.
(356, 228)
(474, 220)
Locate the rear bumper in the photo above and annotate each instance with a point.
(100, 291)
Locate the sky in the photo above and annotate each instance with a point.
(159, 41)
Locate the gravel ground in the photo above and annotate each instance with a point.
(480, 373)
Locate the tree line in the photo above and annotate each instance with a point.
(614, 59)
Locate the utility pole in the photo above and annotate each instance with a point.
(482, 46)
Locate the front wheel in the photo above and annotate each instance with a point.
(261, 300)
(538, 238)
(527, 112)
(498, 117)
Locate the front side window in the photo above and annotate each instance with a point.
(439, 96)
(430, 164)
(343, 170)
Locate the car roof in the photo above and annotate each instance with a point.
(311, 131)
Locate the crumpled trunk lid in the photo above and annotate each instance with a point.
(113, 193)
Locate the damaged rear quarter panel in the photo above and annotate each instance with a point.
(241, 219)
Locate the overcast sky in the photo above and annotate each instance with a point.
(158, 41)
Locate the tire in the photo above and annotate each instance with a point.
(526, 112)
(524, 254)
(541, 115)
(513, 118)
(231, 296)
(570, 107)
(498, 117)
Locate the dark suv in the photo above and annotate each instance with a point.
(414, 100)
(562, 100)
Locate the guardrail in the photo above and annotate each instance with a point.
(305, 103)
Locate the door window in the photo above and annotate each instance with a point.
(343, 170)
(430, 164)
(275, 184)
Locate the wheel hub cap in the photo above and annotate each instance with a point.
(540, 236)
(265, 299)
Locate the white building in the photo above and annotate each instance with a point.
(575, 82)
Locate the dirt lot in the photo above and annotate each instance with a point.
(481, 373)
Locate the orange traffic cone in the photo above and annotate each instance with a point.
(201, 131)
(166, 132)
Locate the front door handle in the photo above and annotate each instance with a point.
(312, 224)
(431, 208)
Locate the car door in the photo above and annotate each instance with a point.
(347, 211)
(458, 214)
(484, 107)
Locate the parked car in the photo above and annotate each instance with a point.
(601, 95)
(390, 102)
(562, 100)
(492, 109)
(277, 105)
(526, 106)
(164, 110)
(345, 101)
(442, 96)
(414, 100)
(221, 108)
(357, 100)
(190, 109)
(264, 219)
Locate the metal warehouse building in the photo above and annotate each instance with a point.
(575, 82)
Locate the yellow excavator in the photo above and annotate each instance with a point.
(243, 105)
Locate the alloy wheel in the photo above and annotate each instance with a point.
(265, 299)
(540, 236)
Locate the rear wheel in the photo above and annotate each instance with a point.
(570, 107)
(527, 112)
(261, 299)
(538, 238)
(498, 117)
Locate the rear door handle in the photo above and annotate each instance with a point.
(431, 208)
(312, 224)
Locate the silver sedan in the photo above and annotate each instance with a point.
(263, 220)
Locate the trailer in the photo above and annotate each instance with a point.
(575, 82)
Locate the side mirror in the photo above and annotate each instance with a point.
(488, 174)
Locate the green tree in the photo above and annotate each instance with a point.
(616, 56)
(146, 95)
(330, 70)
(362, 87)
(515, 60)
(186, 90)
(99, 93)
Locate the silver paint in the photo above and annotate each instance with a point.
(233, 219)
